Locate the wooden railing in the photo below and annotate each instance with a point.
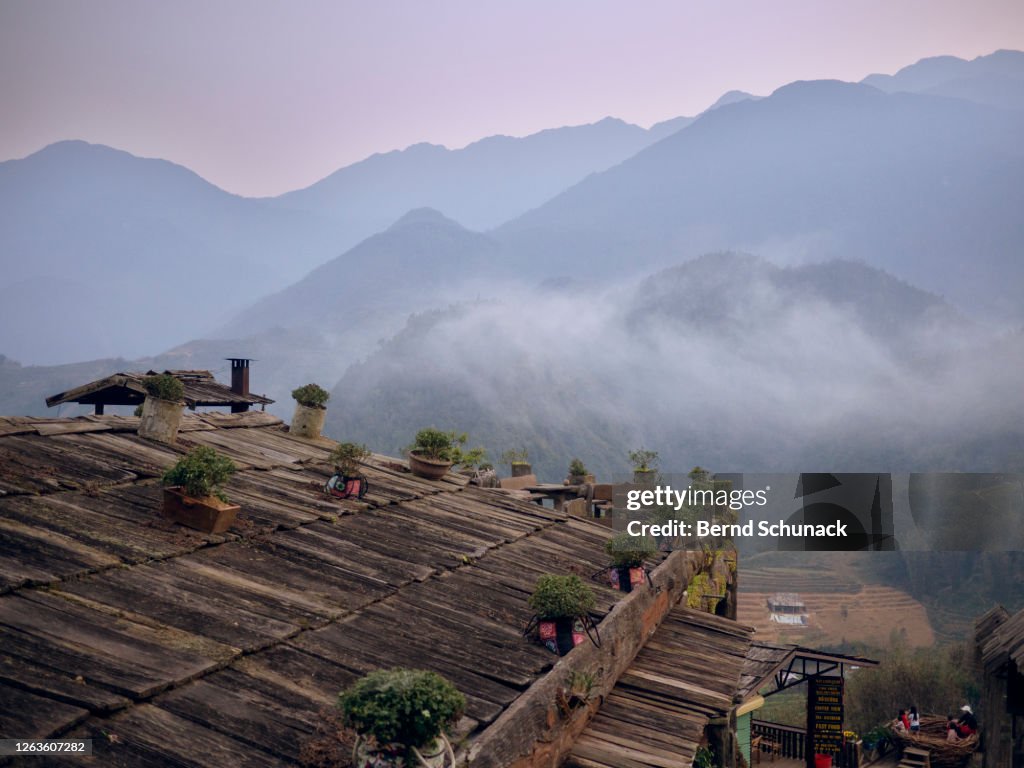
(792, 743)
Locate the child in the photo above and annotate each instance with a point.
(915, 720)
(904, 720)
(952, 732)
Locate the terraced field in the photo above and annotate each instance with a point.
(839, 610)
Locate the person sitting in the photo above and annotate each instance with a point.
(915, 720)
(967, 723)
(952, 730)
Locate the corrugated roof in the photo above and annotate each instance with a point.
(201, 389)
(164, 644)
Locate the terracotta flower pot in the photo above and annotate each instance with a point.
(208, 514)
(431, 469)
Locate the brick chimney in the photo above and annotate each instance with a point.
(240, 381)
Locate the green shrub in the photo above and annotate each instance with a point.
(435, 444)
(557, 597)
(164, 387)
(577, 468)
(402, 706)
(704, 758)
(516, 456)
(201, 472)
(346, 457)
(311, 396)
(475, 458)
(629, 551)
(644, 460)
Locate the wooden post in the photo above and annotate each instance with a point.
(99, 409)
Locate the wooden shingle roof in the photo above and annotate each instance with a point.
(165, 644)
(1000, 638)
(201, 389)
(655, 716)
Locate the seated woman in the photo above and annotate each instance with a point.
(966, 723)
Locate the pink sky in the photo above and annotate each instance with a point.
(264, 97)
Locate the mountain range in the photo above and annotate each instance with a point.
(927, 187)
(145, 254)
(609, 299)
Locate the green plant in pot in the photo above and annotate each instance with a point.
(562, 605)
(160, 415)
(645, 466)
(310, 410)
(628, 554)
(401, 717)
(194, 494)
(434, 452)
(347, 482)
(519, 461)
(578, 473)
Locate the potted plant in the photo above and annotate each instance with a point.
(628, 554)
(645, 466)
(518, 460)
(310, 410)
(578, 474)
(400, 717)
(161, 410)
(561, 605)
(194, 495)
(434, 452)
(346, 482)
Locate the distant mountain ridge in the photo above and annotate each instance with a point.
(140, 254)
(480, 186)
(926, 187)
(117, 236)
(405, 268)
(996, 79)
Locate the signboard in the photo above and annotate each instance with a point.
(825, 715)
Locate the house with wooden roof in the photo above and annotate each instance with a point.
(168, 646)
(771, 668)
(999, 648)
(201, 389)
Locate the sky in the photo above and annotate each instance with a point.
(262, 97)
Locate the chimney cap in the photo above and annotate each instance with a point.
(242, 359)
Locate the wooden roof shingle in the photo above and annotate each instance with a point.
(655, 716)
(201, 389)
(165, 644)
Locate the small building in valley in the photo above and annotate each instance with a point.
(787, 608)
